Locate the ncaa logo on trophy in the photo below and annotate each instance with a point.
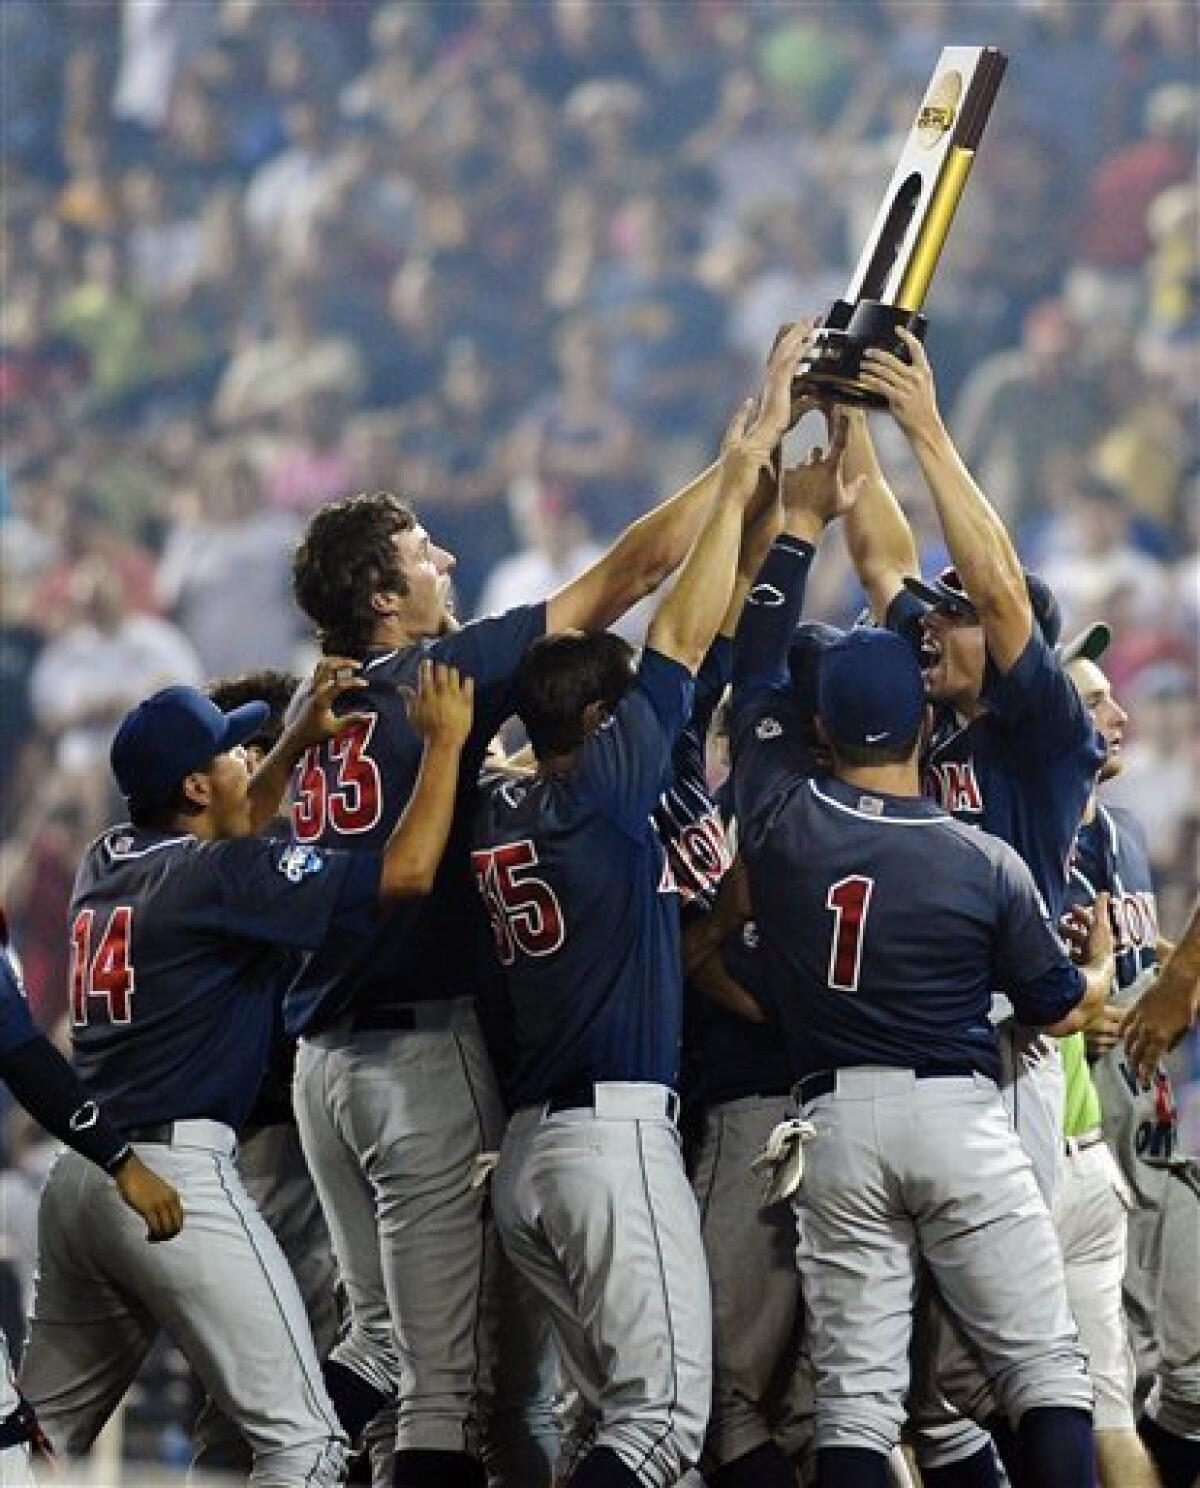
(893, 275)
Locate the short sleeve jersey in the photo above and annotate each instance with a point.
(583, 909)
(180, 948)
(885, 925)
(349, 794)
(1022, 770)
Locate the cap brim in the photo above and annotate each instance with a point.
(241, 724)
(938, 598)
(1089, 645)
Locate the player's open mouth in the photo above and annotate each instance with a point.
(930, 655)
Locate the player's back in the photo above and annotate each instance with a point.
(180, 948)
(350, 793)
(880, 920)
(583, 909)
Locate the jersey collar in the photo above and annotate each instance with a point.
(875, 805)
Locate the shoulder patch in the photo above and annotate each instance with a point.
(768, 728)
(298, 863)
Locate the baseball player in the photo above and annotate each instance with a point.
(761, 1410)
(178, 919)
(396, 1095)
(883, 923)
(49, 1089)
(1012, 750)
(591, 1198)
(1140, 1123)
(270, 1160)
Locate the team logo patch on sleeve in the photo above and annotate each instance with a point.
(298, 863)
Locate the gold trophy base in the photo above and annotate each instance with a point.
(831, 369)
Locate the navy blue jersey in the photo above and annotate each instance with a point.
(17, 1027)
(179, 950)
(885, 924)
(1025, 769)
(582, 905)
(350, 792)
(1111, 855)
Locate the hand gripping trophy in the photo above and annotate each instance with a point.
(893, 274)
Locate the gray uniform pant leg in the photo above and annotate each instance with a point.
(1090, 1216)
(271, 1163)
(758, 1386)
(1175, 1399)
(884, 1187)
(221, 1290)
(392, 1125)
(595, 1209)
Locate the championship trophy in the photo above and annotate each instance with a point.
(892, 278)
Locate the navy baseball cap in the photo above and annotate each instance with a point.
(946, 592)
(810, 639)
(870, 690)
(1088, 645)
(173, 733)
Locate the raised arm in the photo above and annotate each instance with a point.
(979, 544)
(1171, 1006)
(688, 617)
(878, 536)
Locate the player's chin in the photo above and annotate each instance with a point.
(1114, 763)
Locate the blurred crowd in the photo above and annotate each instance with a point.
(517, 259)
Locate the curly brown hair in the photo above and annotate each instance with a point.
(347, 555)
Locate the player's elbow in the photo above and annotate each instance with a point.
(410, 878)
(679, 642)
(1054, 1003)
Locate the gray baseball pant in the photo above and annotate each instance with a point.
(1175, 1399)
(221, 1290)
(271, 1163)
(761, 1386)
(393, 1124)
(903, 1170)
(594, 1208)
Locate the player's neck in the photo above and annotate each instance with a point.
(903, 779)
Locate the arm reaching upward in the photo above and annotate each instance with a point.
(979, 544)
(689, 616)
(878, 535)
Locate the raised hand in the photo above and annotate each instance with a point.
(152, 1197)
(443, 707)
(754, 433)
(908, 386)
(815, 491)
(333, 678)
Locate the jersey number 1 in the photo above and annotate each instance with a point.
(109, 972)
(850, 899)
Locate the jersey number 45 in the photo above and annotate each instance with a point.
(524, 910)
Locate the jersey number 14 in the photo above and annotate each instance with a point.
(107, 971)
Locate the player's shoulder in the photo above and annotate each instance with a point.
(1127, 825)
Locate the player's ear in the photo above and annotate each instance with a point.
(593, 715)
(197, 788)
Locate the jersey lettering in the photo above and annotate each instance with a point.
(109, 972)
(849, 899)
(954, 786)
(524, 910)
(704, 848)
(1134, 921)
(354, 802)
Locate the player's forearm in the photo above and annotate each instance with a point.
(720, 988)
(1097, 986)
(878, 535)
(1179, 979)
(770, 617)
(979, 545)
(415, 848)
(53, 1094)
(268, 785)
(690, 615)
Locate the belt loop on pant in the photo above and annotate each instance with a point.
(631, 1100)
(1074, 1145)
